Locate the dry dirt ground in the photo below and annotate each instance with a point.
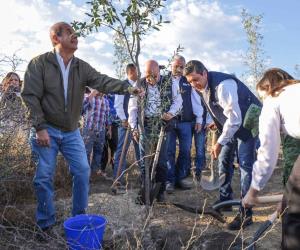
(166, 227)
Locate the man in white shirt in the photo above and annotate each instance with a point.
(185, 127)
(121, 106)
(227, 100)
(161, 103)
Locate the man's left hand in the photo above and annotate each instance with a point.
(250, 200)
(216, 150)
(167, 116)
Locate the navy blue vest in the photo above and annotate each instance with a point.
(187, 114)
(246, 98)
(204, 115)
(165, 90)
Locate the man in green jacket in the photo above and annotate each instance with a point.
(53, 90)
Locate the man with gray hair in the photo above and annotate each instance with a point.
(162, 102)
(191, 120)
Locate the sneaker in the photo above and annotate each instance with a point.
(239, 222)
(182, 184)
(170, 188)
(225, 208)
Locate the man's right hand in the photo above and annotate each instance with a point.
(42, 138)
(124, 123)
(93, 93)
(135, 135)
(198, 127)
(211, 126)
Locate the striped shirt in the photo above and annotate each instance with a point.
(96, 113)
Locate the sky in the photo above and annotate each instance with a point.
(209, 31)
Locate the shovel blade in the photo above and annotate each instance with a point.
(208, 183)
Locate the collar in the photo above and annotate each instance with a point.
(52, 58)
(59, 58)
(133, 83)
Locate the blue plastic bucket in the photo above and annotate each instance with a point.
(85, 231)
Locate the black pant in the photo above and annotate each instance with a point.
(291, 219)
(148, 143)
(112, 144)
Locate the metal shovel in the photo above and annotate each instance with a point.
(113, 187)
(214, 181)
(263, 228)
(265, 225)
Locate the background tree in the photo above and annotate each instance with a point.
(10, 63)
(131, 23)
(122, 57)
(255, 55)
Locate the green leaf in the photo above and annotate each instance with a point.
(128, 21)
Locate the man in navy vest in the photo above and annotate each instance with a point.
(183, 130)
(162, 102)
(227, 100)
(121, 106)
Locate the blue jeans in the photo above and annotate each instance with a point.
(121, 139)
(71, 145)
(94, 143)
(200, 140)
(246, 155)
(179, 170)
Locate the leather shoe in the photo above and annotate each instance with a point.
(161, 198)
(183, 185)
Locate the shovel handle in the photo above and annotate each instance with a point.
(214, 137)
(259, 200)
(269, 199)
(157, 152)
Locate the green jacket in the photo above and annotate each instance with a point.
(43, 91)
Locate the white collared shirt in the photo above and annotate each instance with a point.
(119, 100)
(198, 108)
(177, 101)
(153, 101)
(65, 73)
(279, 114)
(153, 109)
(228, 99)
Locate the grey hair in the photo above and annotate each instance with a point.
(178, 57)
